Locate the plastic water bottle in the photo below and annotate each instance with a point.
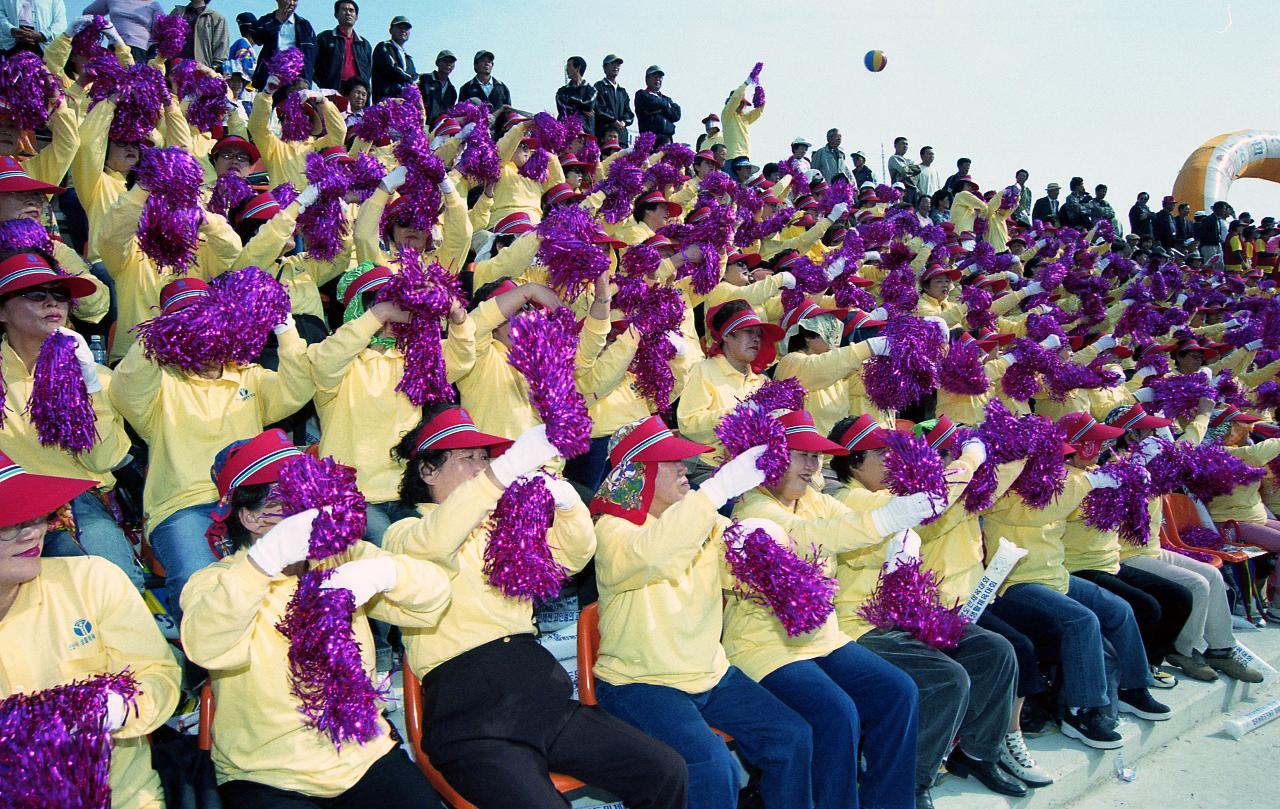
(98, 347)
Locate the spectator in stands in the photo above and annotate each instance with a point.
(241, 55)
(1046, 208)
(1141, 220)
(800, 151)
(356, 91)
(954, 183)
(208, 41)
(393, 67)
(280, 30)
(613, 104)
(1164, 225)
(862, 173)
(1102, 209)
(929, 179)
(438, 92)
(1077, 211)
(31, 24)
(576, 97)
(1212, 231)
(342, 54)
(656, 112)
(830, 160)
(483, 86)
(940, 207)
(712, 135)
(1022, 214)
(134, 19)
(903, 169)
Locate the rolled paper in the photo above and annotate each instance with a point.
(1240, 726)
(998, 569)
(1247, 657)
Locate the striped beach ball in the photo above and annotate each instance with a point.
(875, 61)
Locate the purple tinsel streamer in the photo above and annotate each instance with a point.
(1004, 436)
(961, 371)
(911, 466)
(566, 249)
(24, 234)
(1045, 474)
(1205, 471)
(169, 229)
(28, 91)
(1179, 395)
(907, 598)
(323, 483)
(208, 103)
(978, 301)
(910, 370)
(87, 42)
(428, 294)
(323, 224)
(750, 425)
(54, 750)
(517, 560)
(543, 347)
(1124, 508)
(625, 180)
(779, 394)
(228, 191)
(295, 123)
(795, 588)
(287, 66)
(60, 406)
(671, 171)
(142, 97)
(169, 32)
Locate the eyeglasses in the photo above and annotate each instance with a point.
(41, 295)
(12, 533)
(235, 157)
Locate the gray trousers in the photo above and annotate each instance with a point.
(965, 691)
(1210, 623)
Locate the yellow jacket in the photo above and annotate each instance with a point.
(963, 408)
(802, 243)
(450, 249)
(997, 224)
(301, 274)
(92, 308)
(511, 261)
(826, 377)
(286, 161)
(713, 389)
(454, 535)
(660, 597)
(81, 617)
(736, 125)
(230, 611)
(97, 186)
(186, 419)
(1039, 532)
(763, 295)
(52, 162)
(1244, 503)
(515, 192)
(965, 208)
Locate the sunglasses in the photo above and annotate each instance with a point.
(42, 295)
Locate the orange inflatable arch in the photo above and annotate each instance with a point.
(1208, 172)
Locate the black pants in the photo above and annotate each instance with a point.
(1030, 680)
(393, 782)
(1160, 606)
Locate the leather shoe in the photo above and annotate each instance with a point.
(923, 799)
(991, 776)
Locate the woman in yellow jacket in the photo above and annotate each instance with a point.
(936, 285)
(286, 161)
(264, 753)
(383, 220)
(840, 688)
(515, 192)
(68, 619)
(760, 288)
(185, 418)
(498, 712)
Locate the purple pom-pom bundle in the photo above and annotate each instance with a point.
(428, 294)
(625, 180)
(1045, 475)
(323, 224)
(909, 371)
(28, 91)
(1123, 508)
(567, 250)
(87, 42)
(326, 672)
(961, 371)
(54, 749)
(640, 261)
(60, 406)
(517, 560)
(480, 162)
(168, 232)
(1229, 390)
(752, 231)
(285, 194)
(754, 76)
(1179, 395)
(1200, 537)
(795, 588)
(653, 312)
(1267, 395)
(228, 191)
(1009, 198)
(208, 104)
(170, 32)
(907, 598)
(672, 170)
(1205, 471)
(1004, 436)
(287, 66)
(899, 292)
(1021, 380)
(711, 237)
(142, 96)
(911, 466)
(750, 425)
(713, 186)
(1062, 377)
(979, 315)
(543, 348)
(295, 121)
(1104, 231)
(363, 176)
(323, 483)
(757, 97)
(779, 394)
(24, 234)
(811, 279)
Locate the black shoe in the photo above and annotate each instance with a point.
(1091, 727)
(923, 799)
(991, 776)
(1138, 701)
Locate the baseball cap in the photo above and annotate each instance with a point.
(446, 54)
(482, 54)
(400, 19)
(649, 71)
(610, 58)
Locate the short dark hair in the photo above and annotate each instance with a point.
(339, 3)
(642, 208)
(964, 160)
(579, 64)
(924, 149)
(1021, 171)
(355, 81)
(899, 139)
(413, 489)
(252, 497)
(486, 291)
(843, 465)
(835, 130)
(1075, 181)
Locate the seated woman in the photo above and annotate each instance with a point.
(498, 712)
(660, 570)
(68, 619)
(263, 752)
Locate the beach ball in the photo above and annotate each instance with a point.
(875, 61)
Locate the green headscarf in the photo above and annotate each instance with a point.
(356, 307)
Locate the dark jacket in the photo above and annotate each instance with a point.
(1046, 210)
(265, 30)
(1140, 220)
(1185, 229)
(391, 71)
(1165, 229)
(656, 113)
(862, 175)
(613, 111)
(499, 95)
(331, 54)
(1208, 232)
(1076, 211)
(437, 96)
(578, 101)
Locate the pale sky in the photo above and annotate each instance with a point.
(1116, 91)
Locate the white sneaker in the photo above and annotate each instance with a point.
(1016, 759)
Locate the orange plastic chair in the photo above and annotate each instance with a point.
(589, 651)
(204, 739)
(1180, 514)
(413, 724)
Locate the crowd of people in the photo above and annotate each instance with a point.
(1128, 351)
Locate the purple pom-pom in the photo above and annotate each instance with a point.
(87, 42)
(567, 250)
(168, 232)
(517, 560)
(750, 425)
(323, 224)
(978, 301)
(142, 96)
(428, 293)
(209, 103)
(1267, 395)
(1123, 508)
(796, 589)
(295, 121)
(906, 598)
(28, 91)
(754, 76)
(911, 466)
(1045, 474)
(287, 66)
(654, 313)
(543, 347)
(170, 33)
(1179, 395)
(60, 406)
(229, 191)
(910, 370)
(1205, 471)
(757, 97)
(961, 371)
(780, 394)
(323, 483)
(24, 234)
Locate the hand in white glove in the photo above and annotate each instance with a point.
(446, 186)
(1150, 448)
(879, 346)
(1101, 480)
(942, 327)
(903, 547)
(272, 84)
(1164, 434)
(975, 449)
(1105, 342)
(1143, 372)
(1012, 276)
(677, 341)
(835, 268)
(394, 179)
(117, 713)
(787, 280)
(904, 512)
(838, 211)
(307, 197)
(465, 131)
(1253, 345)
(78, 23)
(738, 476)
(531, 450)
(1041, 243)
(879, 313)
(562, 492)
(365, 578)
(283, 326)
(88, 368)
(113, 34)
(1033, 288)
(287, 543)
(1144, 395)
(1181, 299)
(1051, 342)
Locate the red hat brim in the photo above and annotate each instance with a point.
(26, 496)
(15, 185)
(671, 449)
(813, 442)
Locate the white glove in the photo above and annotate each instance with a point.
(751, 525)
(465, 131)
(312, 95)
(1182, 298)
(113, 34)
(838, 211)
(879, 346)
(562, 492)
(446, 186)
(1041, 243)
(283, 326)
(942, 327)
(736, 477)
(1101, 480)
(879, 313)
(307, 197)
(787, 280)
(531, 450)
(1144, 395)
(903, 547)
(272, 84)
(871, 255)
(88, 368)
(1051, 342)
(365, 578)
(78, 23)
(438, 141)
(1150, 448)
(835, 268)
(394, 179)
(677, 341)
(117, 713)
(904, 512)
(1164, 434)
(1033, 288)
(975, 449)
(287, 543)
(1253, 345)
(1105, 342)
(1207, 372)
(1144, 372)
(1012, 276)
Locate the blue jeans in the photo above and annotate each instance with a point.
(179, 543)
(97, 534)
(850, 693)
(377, 519)
(1119, 629)
(769, 735)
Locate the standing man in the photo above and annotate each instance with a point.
(955, 183)
(613, 104)
(209, 40)
(280, 30)
(862, 173)
(577, 98)
(1213, 232)
(1076, 212)
(1186, 228)
(484, 87)
(1140, 218)
(343, 54)
(929, 180)
(1102, 209)
(392, 65)
(657, 113)
(1164, 227)
(829, 160)
(133, 19)
(1046, 208)
(438, 92)
(1022, 214)
(799, 150)
(29, 25)
(903, 169)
